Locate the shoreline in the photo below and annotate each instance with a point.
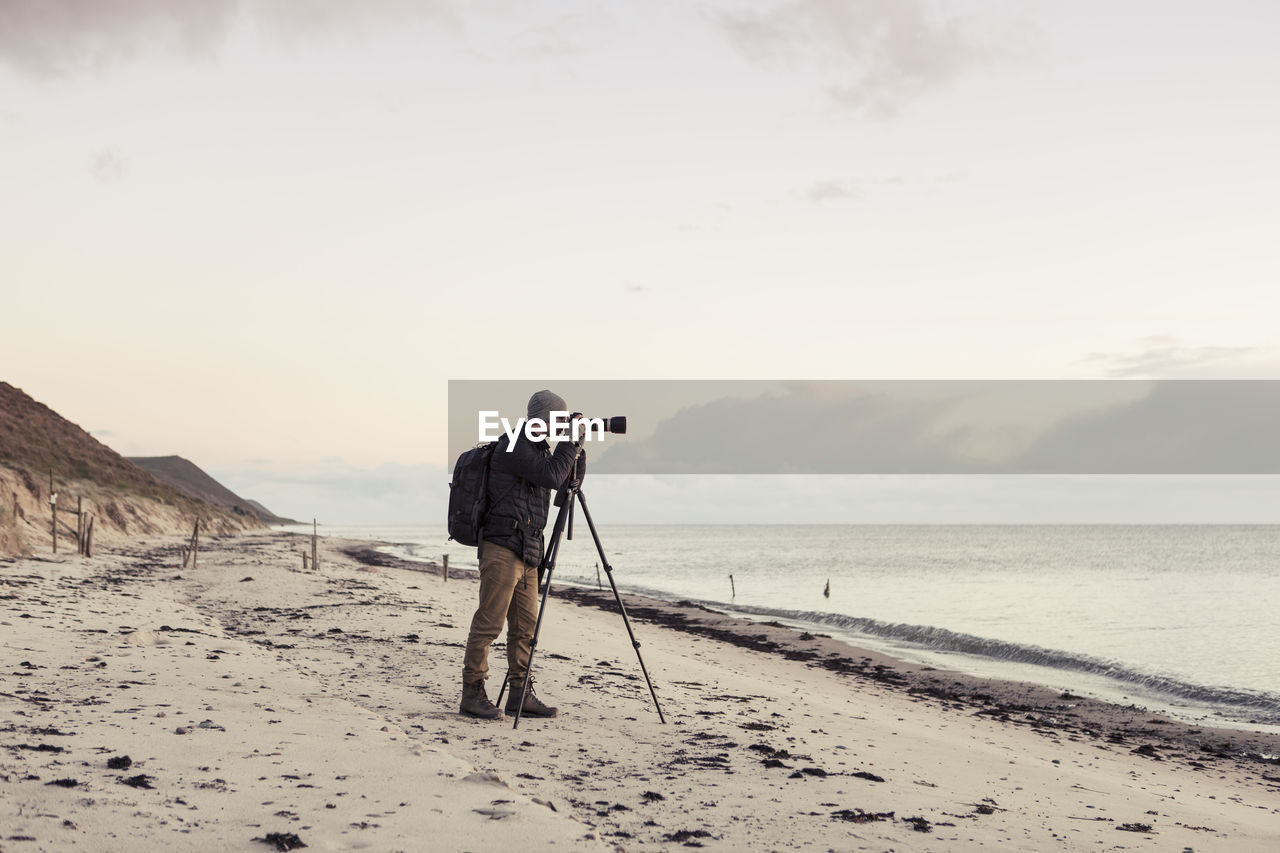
(1229, 689)
(325, 704)
(1234, 708)
(1016, 702)
(1253, 744)
(1095, 686)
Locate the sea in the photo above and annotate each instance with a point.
(1182, 618)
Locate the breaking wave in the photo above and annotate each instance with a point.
(940, 639)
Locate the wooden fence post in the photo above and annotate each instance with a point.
(446, 568)
(195, 546)
(315, 554)
(53, 505)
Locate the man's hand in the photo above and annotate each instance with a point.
(574, 480)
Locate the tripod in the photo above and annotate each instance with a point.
(568, 495)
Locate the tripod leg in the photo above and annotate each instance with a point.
(549, 563)
(608, 570)
(503, 688)
(548, 557)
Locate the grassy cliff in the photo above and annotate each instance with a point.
(37, 444)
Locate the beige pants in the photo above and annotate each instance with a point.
(508, 593)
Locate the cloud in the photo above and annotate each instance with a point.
(64, 38)
(957, 427)
(824, 191)
(1182, 427)
(878, 55)
(1167, 357)
(110, 166)
(806, 428)
(300, 18)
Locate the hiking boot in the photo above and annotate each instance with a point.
(476, 704)
(533, 706)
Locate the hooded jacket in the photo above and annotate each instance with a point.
(520, 484)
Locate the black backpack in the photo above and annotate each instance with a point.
(469, 494)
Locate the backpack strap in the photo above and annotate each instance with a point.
(484, 490)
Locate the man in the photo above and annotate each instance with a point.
(520, 483)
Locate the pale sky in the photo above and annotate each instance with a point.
(265, 234)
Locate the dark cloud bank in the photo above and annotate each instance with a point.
(61, 38)
(1166, 427)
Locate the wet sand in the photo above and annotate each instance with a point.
(249, 705)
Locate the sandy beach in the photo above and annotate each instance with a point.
(246, 704)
